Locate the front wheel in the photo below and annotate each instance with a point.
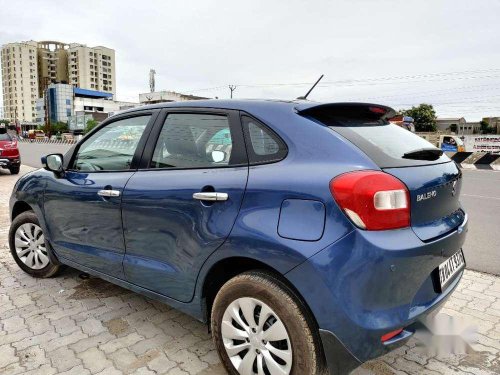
(260, 327)
(29, 248)
(14, 170)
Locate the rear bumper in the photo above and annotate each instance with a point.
(370, 283)
(8, 162)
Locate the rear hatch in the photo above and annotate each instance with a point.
(433, 180)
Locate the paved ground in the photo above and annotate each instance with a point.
(68, 325)
(480, 196)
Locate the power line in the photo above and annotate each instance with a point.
(447, 76)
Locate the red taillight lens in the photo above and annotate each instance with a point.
(373, 200)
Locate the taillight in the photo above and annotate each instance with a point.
(373, 200)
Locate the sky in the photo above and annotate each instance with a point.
(392, 52)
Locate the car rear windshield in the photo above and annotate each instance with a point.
(384, 142)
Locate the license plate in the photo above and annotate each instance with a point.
(451, 267)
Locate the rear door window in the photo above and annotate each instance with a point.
(194, 140)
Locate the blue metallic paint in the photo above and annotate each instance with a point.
(358, 284)
(369, 283)
(169, 234)
(301, 219)
(84, 227)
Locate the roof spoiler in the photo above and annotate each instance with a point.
(375, 111)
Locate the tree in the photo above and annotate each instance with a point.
(91, 124)
(59, 127)
(453, 128)
(3, 121)
(485, 127)
(424, 116)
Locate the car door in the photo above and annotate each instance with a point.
(83, 207)
(181, 205)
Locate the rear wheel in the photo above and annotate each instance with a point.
(14, 170)
(29, 248)
(260, 327)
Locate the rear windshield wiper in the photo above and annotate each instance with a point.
(424, 154)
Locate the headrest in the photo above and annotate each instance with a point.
(180, 140)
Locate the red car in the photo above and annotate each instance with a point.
(9, 153)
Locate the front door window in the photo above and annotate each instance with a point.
(112, 148)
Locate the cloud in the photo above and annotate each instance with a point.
(204, 44)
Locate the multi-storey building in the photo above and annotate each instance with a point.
(28, 68)
(92, 68)
(19, 80)
(52, 64)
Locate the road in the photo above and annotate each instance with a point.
(480, 197)
(32, 152)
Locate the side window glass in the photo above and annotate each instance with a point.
(193, 141)
(263, 145)
(111, 148)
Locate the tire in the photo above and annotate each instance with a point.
(262, 293)
(32, 251)
(14, 170)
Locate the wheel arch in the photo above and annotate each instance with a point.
(20, 207)
(227, 268)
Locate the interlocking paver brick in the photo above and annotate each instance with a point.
(161, 364)
(94, 360)
(122, 342)
(67, 325)
(6, 355)
(64, 359)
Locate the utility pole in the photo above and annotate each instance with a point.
(232, 88)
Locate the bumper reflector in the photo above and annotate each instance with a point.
(390, 335)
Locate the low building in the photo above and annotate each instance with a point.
(166, 96)
(73, 105)
(456, 125)
(494, 122)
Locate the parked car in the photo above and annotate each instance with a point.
(9, 153)
(305, 234)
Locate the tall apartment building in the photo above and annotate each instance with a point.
(19, 80)
(28, 68)
(52, 64)
(92, 68)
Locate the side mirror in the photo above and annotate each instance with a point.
(53, 163)
(218, 156)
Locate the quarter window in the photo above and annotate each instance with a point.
(112, 148)
(264, 146)
(193, 141)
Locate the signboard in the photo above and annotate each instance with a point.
(482, 143)
(78, 122)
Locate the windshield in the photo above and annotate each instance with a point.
(385, 143)
(392, 139)
(5, 137)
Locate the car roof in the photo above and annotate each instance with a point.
(248, 105)
(236, 104)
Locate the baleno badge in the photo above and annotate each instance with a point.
(425, 196)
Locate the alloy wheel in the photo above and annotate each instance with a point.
(30, 246)
(255, 338)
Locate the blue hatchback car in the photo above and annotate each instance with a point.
(307, 235)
